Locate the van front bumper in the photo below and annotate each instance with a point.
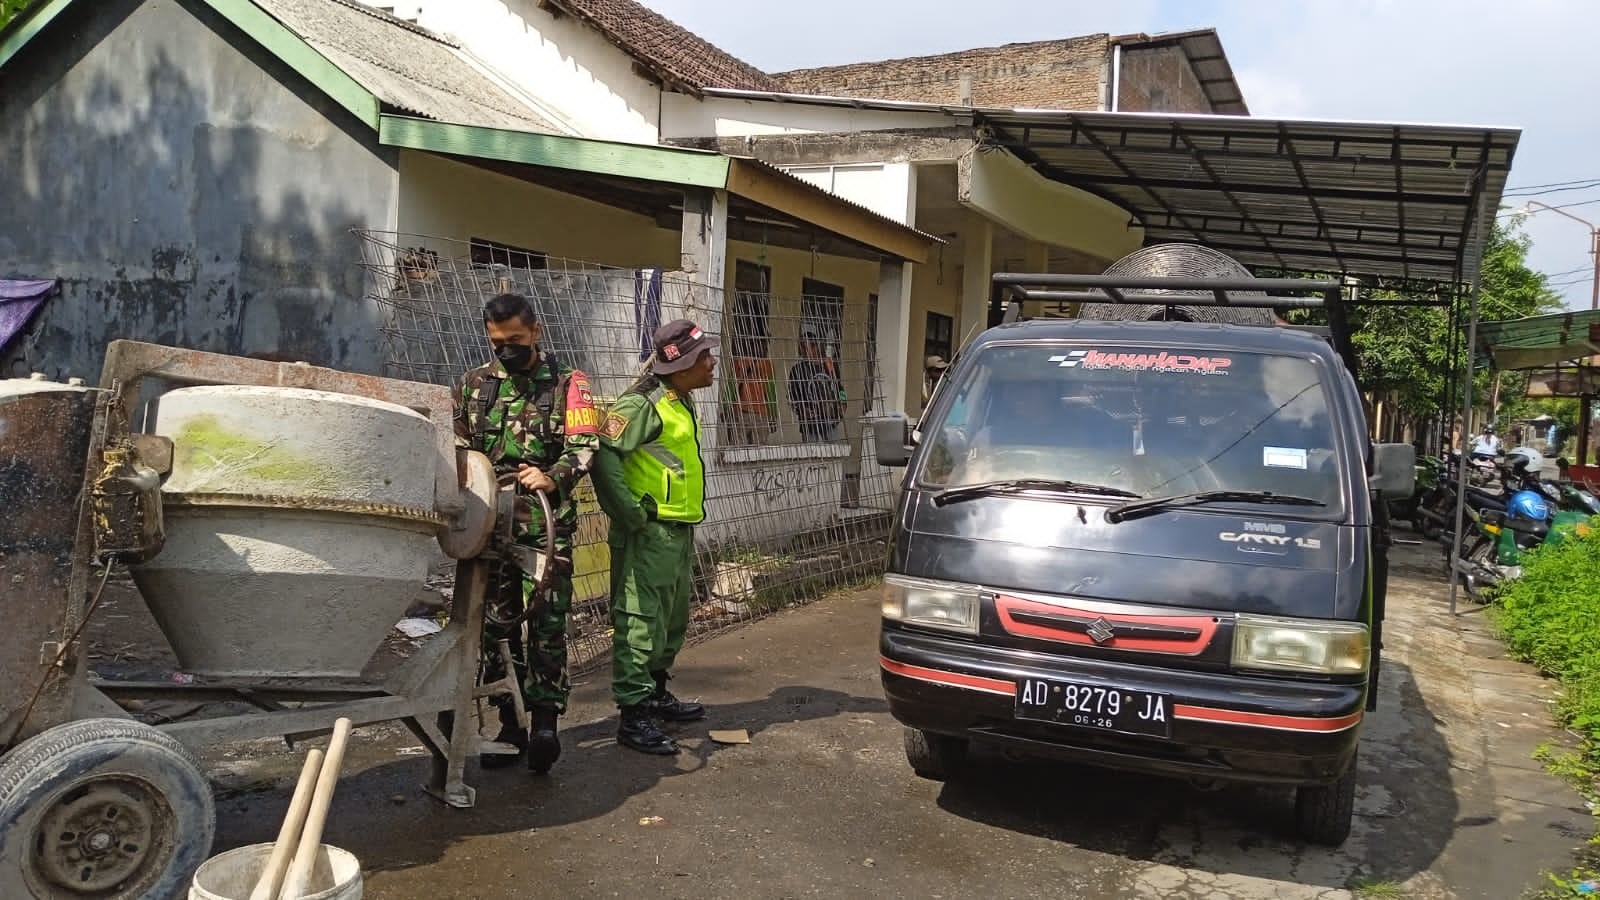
(1224, 726)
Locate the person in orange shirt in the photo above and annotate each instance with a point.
(753, 415)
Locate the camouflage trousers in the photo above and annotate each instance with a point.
(539, 644)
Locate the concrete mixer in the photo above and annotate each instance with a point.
(272, 516)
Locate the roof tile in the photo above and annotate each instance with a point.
(675, 52)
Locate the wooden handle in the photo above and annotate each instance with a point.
(294, 887)
(289, 835)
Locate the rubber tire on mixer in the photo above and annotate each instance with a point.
(54, 780)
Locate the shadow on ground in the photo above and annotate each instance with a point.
(1238, 829)
(593, 778)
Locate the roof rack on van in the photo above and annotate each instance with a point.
(1242, 293)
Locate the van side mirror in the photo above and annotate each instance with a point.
(1394, 470)
(892, 436)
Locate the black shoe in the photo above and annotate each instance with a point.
(664, 706)
(638, 731)
(544, 748)
(510, 733)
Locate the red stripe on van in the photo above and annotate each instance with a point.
(1264, 720)
(954, 679)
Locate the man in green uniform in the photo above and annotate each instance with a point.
(650, 479)
(533, 415)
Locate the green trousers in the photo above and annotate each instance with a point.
(539, 646)
(651, 573)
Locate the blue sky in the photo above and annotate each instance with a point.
(1518, 64)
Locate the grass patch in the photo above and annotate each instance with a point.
(1550, 617)
(1372, 889)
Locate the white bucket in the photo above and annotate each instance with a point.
(336, 875)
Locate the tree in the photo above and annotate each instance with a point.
(1404, 351)
(9, 10)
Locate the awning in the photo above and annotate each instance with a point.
(648, 176)
(1396, 202)
(1538, 341)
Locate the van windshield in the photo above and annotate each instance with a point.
(1152, 422)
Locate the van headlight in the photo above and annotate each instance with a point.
(935, 604)
(1300, 645)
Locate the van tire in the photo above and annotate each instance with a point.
(934, 756)
(1323, 812)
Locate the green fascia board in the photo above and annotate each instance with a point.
(300, 56)
(19, 31)
(690, 168)
(271, 34)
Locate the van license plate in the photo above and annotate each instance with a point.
(1095, 706)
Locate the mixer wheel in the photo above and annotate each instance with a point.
(105, 808)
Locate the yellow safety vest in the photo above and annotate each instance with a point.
(669, 468)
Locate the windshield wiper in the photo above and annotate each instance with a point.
(1019, 485)
(1135, 508)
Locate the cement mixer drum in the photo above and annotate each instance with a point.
(297, 520)
(1190, 260)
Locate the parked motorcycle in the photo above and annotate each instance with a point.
(1407, 509)
(1436, 510)
(1536, 513)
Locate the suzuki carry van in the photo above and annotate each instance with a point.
(1142, 545)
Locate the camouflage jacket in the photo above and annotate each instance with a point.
(546, 418)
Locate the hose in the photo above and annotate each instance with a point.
(542, 582)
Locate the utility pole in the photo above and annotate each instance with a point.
(1594, 245)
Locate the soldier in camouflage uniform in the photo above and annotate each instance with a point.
(532, 415)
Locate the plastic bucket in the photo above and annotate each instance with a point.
(336, 875)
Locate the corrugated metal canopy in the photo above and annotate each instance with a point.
(1396, 202)
(1537, 341)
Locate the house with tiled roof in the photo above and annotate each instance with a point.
(280, 147)
(337, 183)
(896, 136)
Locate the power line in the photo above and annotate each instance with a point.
(1529, 187)
(1569, 272)
(1523, 212)
(1555, 190)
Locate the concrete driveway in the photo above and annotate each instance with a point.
(821, 802)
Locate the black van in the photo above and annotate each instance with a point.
(1142, 545)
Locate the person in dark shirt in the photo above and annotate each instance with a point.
(815, 392)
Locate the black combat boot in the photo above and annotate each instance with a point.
(638, 731)
(510, 733)
(544, 748)
(669, 708)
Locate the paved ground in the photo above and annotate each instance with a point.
(821, 802)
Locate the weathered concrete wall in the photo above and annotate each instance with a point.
(188, 189)
(1160, 79)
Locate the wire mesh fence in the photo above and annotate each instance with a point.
(796, 505)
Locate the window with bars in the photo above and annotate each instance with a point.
(750, 400)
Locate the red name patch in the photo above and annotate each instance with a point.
(581, 417)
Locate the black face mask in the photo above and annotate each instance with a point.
(515, 357)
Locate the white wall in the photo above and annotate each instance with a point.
(447, 199)
(884, 188)
(683, 116)
(565, 68)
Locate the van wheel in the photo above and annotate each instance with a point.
(1323, 812)
(934, 756)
